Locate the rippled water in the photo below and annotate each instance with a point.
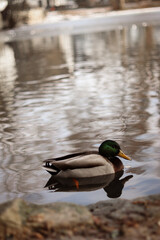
(68, 93)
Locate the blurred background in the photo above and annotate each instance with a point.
(17, 12)
(72, 74)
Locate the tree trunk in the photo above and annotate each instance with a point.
(122, 4)
(117, 4)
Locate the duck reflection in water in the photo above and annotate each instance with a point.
(114, 189)
(112, 184)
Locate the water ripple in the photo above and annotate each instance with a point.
(65, 94)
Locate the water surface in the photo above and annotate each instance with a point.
(68, 93)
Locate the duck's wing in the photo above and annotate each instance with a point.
(70, 156)
(87, 172)
(78, 161)
(49, 166)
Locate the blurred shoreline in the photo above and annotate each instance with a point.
(87, 13)
(118, 219)
(95, 13)
(76, 24)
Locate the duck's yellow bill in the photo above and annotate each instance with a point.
(121, 154)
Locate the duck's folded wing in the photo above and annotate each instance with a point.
(87, 172)
(91, 160)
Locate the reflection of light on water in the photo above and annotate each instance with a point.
(67, 48)
(8, 71)
(144, 24)
(3, 5)
(8, 74)
(134, 33)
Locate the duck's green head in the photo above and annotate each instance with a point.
(110, 148)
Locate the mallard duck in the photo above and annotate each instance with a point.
(88, 164)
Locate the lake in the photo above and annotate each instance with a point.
(68, 93)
